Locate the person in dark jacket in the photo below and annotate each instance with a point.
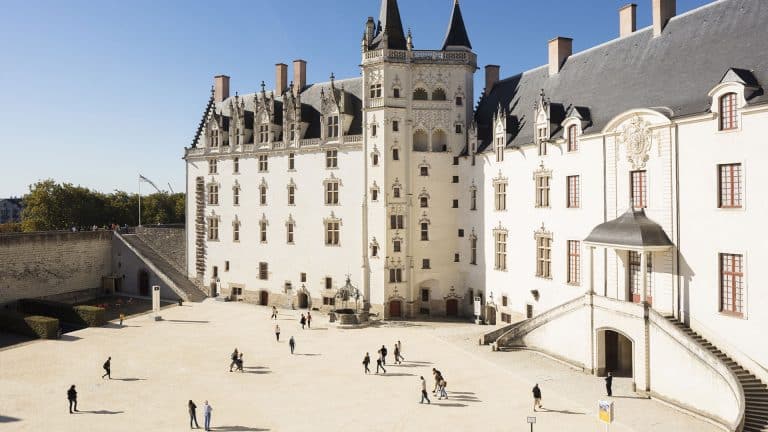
(608, 384)
(72, 397)
(303, 321)
(383, 352)
(107, 368)
(536, 397)
(234, 358)
(192, 414)
(366, 362)
(292, 344)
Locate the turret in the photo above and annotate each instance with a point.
(456, 37)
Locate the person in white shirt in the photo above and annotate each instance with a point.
(424, 391)
(207, 409)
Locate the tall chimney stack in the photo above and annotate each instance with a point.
(491, 77)
(299, 75)
(220, 88)
(663, 11)
(281, 78)
(627, 20)
(560, 48)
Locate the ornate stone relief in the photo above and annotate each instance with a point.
(637, 138)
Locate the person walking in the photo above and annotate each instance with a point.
(309, 320)
(192, 414)
(438, 376)
(292, 343)
(441, 388)
(400, 349)
(274, 313)
(303, 321)
(380, 363)
(608, 384)
(277, 332)
(397, 355)
(383, 352)
(239, 361)
(424, 395)
(366, 362)
(72, 397)
(107, 368)
(234, 358)
(207, 409)
(122, 317)
(536, 397)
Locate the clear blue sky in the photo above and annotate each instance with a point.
(94, 92)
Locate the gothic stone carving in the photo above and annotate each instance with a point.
(636, 136)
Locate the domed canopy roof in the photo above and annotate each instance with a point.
(632, 230)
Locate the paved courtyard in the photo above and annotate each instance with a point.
(158, 366)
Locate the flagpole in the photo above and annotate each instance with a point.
(139, 199)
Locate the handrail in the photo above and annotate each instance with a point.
(532, 324)
(722, 369)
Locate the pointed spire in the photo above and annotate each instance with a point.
(456, 37)
(391, 24)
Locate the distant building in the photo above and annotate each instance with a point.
(10, 210)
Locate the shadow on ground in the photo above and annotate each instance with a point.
(7, 419)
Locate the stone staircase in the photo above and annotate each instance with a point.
(755, 392)
(179, 283)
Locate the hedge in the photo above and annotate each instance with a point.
(85, 316)
(33, 325)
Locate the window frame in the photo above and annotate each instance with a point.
(731, 197)
(638, 189)
(573, 191)
(573, 274)
(500, 249)
(728, 112)
(544, 255)
(737, 281)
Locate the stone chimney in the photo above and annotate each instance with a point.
(560, 48)
(627, 20)
(281, 78)
(220, 88)
(491, 77)
(663, 11)
(299, 75)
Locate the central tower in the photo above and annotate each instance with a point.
(417, 105)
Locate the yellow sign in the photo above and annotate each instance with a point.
(605, 411)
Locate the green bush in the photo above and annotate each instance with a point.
(33, 325)
(93, 316)
(81, 316)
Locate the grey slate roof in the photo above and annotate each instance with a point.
(389, 20)
(456, 36)
(673, 72)
(632, 229)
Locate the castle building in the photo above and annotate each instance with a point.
(611, 196)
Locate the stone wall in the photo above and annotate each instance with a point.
(53, 264)
(168, 241)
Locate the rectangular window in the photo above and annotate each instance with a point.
(213, 166)
(236, 232)
(500, 196)
(458, 129)
(455, 204)
(375, 91)
(473, 199)
(639, 188)
(293, 132)
(236, 165)
(332, 193)
(424, 231)
(461, 233)
(729, 180)
(473, 250)
(213, 229)
(542, 190)
(289, 232)
(574, 262)
(395, 126)
(396, 221)
(213, 194)
(396, 192)
(263, 231)
(423, 202)
(328, 283)
(215, 272)
(263, 163)
(424, 294)
(500, 149)
(504, 300)
(263, 195)
(263, 271)
(395, 275)
(226, 266)
(374, 251)
(425, 264)
(373, 130)
(332, 234)
(573, 200)
(291, 195)
(500, 262)
(423, 171)
(263, 133)
(396, 246)
(728, 112)
(291, 161)
(374, 194)
(573, 144)
(542, 140)
(455, 160)
(635, 283)
(395, 154)
(303, 277)
(731, 284)
(455, 179)
(544, 256)
(332, 159)
(456, 257)
(333, 127)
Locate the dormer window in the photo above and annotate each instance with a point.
(573, 144)
(420, 94)
(728, 112)
(333, 126)
(375, 91)
(542, 137)
(263, 133)
(438, 95)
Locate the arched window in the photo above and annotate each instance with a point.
(420, 94)
(438, 95)
(728, 111)
(420, 141)
(439, 141)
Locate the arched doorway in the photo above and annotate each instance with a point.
(395, 309)
(143, 283)
(303, 300)
(452, 308)
(264, 298)
(615, 353)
